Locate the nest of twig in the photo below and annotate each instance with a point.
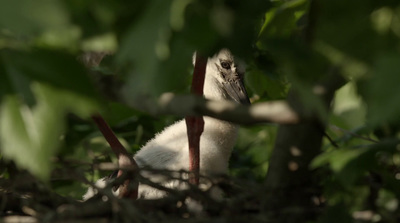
(26, 199)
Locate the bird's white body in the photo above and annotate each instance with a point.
(169, 149)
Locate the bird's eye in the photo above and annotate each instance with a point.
(225, 65)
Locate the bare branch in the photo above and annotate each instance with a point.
(349, 132)
(290, 183)
(264, 112)
(193, 105)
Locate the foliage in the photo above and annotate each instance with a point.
(47, 95)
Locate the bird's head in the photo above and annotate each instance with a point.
(224, 78)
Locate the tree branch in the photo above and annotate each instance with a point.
(290, 184)
(279, 112)
(192, 105)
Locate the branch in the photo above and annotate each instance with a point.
(191, 105)
(349, 132)
(290, 184)
(279, 112)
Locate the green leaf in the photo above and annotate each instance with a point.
(350, 31)
(145, 44)
(5, 83)
(271, 88)
(158, 61)
(340, 160)
(349, 107)
(31, 135)
(381, 91)
(32, 17)
(350, 164)
(14, 82)
(282, 21)
(54, 67)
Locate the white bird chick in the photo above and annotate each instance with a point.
(169, 149)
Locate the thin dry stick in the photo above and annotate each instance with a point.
(195, 125)
(352, 133)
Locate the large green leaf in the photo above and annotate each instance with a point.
(264, 85)
(381, 91)
(32, 17)
(157, 59)
(144, 45)
(54, 67)
(349, 107)
(350, 31)
(31, 135)
(282, 21)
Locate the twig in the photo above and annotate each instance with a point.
(279, 111)
(352, 133)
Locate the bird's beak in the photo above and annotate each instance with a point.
(235, 88)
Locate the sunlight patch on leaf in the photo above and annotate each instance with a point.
(281, 21)
(106, 42)
(349, 106)
(66, 37)
(381, 19)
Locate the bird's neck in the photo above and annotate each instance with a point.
(223, 133)
(212, 88)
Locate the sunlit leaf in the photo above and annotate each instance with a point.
(281, 21)
(349, 107)
(31, 135)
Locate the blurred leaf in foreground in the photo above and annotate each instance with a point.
(57, 68)
(31, 135)
(32, 17)
(381, 91)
